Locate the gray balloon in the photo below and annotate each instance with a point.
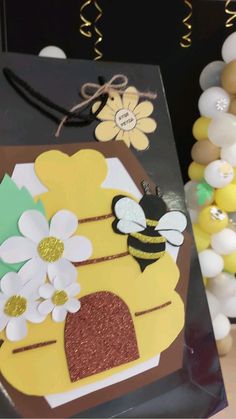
(210, 75)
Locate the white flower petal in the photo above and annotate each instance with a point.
(73, 305)
(33, 225)
(61, 282)
(32, 314)
(45, 307)
(16, 329)
(63, 224)
(62, 268)
(59, 313)
(30, 290)
(3, 321)
(77, 249)
(17, 249)
(73, 289)
(11, 283)
(46, 291)
(35, 269)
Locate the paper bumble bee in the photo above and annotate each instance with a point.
(149, 225)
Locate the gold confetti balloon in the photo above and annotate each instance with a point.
(228, 77)
(212, 219)
(200, 128)
(204, 152)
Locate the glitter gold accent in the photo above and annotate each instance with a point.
(151, 223)
(232, 14)
(15, 306)
(150, 310)
(59, 298)
(33, 346)
(186, 40)
(148, 239)
(145, 255)
(50, 249)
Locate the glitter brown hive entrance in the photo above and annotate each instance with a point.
(127, 317)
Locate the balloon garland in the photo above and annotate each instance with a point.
(211, 191)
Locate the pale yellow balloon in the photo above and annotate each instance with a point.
(212, 220)
(225, 197)
(200, 128)
(196, 171)
(230, 263)
(202, 239)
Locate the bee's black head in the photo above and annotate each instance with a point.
(153, 205)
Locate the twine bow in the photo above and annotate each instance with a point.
(92, 91)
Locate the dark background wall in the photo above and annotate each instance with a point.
(146, 31)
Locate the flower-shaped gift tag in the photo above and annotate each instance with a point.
(18, 304)
(47, 248)
(125, 119)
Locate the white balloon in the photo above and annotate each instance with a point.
(52, 51)
(214, 305)
(228, 306)
(221, 326)
(222, 286)
(219, 173)
(228, 51)
(222, 130)
(224, 242)
(211, 263)
(213, 101)
(229, 154)
(210, 75)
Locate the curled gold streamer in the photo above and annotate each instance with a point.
(84, 27)
(99, 39)
(186, 40)
(231, 19)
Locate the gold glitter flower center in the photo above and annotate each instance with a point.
(125, 119)
(15, 306)
(51, 249)
(59, 298)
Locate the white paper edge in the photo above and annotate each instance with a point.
(55, 400)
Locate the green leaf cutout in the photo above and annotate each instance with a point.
(13, 202)
(204, 192)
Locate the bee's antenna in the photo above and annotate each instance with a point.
(146, 187)
(159, 192)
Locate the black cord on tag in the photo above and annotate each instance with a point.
(78, 118)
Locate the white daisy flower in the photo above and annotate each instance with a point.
(47, 248)
(59, 298)
(18, 304)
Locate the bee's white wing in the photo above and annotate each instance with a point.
(130, 214)
(171, 226)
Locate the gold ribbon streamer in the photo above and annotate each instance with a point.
(99, 39)
(84, 27)
(186, 40)
(231, 19)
